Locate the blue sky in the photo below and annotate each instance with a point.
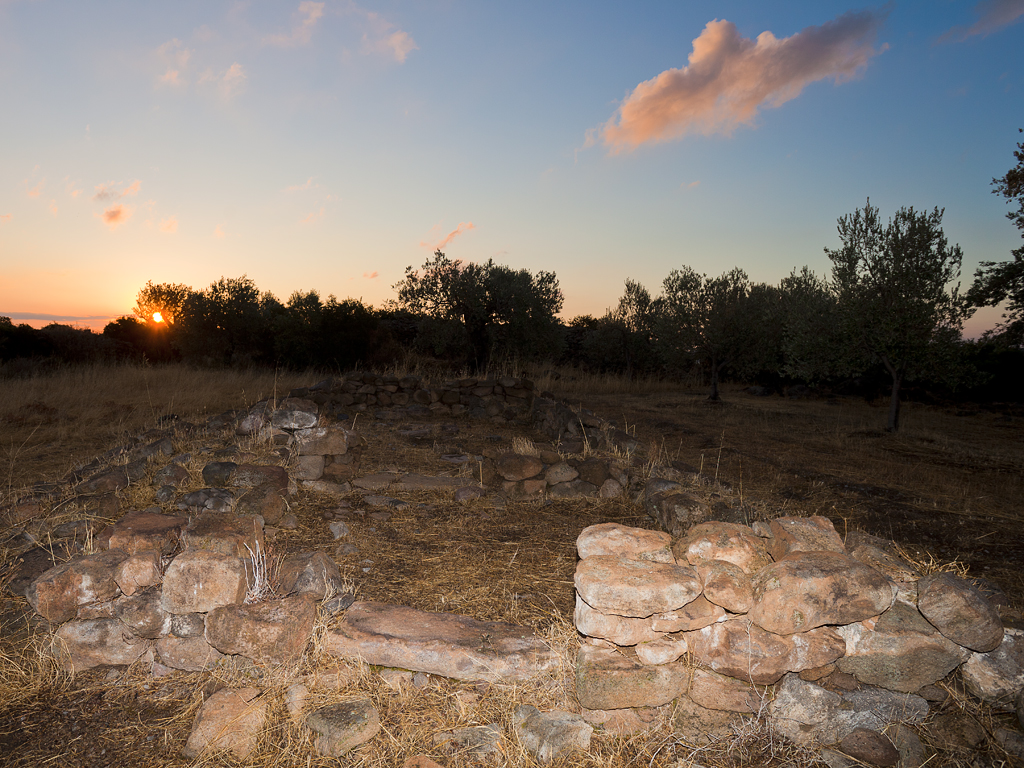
(329, 145)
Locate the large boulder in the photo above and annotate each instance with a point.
(148, 529)
(731, 542)
(627, 587)
(616, 539)
(199, 580)
(805, 590)
(275, 631)
(960, 612)
(803, 534)
(605, 679)
(741, 649)
(231, 720)
(57, 593)
(621, 630)
(92, 643)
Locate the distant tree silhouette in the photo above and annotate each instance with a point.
(995, 282)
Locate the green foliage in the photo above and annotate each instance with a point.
(996, 282)
(229, 323)
(894, 295)
(484, 309)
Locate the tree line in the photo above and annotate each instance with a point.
(890, 313)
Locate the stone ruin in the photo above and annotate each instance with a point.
(720, 620)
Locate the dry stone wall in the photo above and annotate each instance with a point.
(746, 619)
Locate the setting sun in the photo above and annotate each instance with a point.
(157, 317)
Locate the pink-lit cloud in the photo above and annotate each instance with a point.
(464, 226)
(230, 82)
(992, 15)
(308, 184)
(37, 190)
(314, 216)
(70, 188)
(116, 215)
(174, 59)
(309, 14)
(729, 78)
(218, 232)
(6, 217)
(380, 36)
(109, 191)
(169, 225)
(371, 275)
(53, 207)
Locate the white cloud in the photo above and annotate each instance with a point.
(309, 14)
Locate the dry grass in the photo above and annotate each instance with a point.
(940, 487)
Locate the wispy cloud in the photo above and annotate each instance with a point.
(464, 226)
(107, 192)
(37, 190)
(218, 232)
(53, 207)
(691, 185)
(380, 36)
(308, 184)
(70, 187)
(116, 215)
(371, 275)
(992, 15)
(174, 59)
(229, 83)
(729, 78)
(314, 216)
(309, 14)
(4, 218)
(169, 225)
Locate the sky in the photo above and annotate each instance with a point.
(330, 145)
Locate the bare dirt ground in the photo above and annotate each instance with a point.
(946, 489)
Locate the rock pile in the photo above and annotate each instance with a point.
(762, 614)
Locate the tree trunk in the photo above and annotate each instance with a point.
(894, 404)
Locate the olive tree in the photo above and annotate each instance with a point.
(896, 299)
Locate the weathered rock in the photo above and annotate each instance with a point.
(807, 713)
(209, 499)
(745, 651)
(960, 612)
(312, 573)
(218, 473)
(550, 735)
(625, 722)
(714, 691)
(692, 616)
(731, 542)
(293, 418)
(142, 614)
(562, 472)
(626, 587)
(611, 489)
(870, 747)
(414, 482)
(92, 643)
(188, 624)
(199, 580)
(900, 650)
(32, 564)
(594, 471)
(308, 467)
(343, 726)
(701, 725)
(620, 630)
(172, 474)
(149, 529)
(616, 539)
(325, 441)
(675, 511)
(115, 479)
(810, 589)
(912, 751)
(274, 632)
(997, 677)
(258, 475)
(58, 592)
(574, 489)
(137, 572)
(477, 742)
(439, 643)
(660, 651)
(228, 534)
(726, 584)
(803, 534)
(192, 654)
(266, 501)
(606, 679)
(514, 467)
(876, 553)
(231, 720)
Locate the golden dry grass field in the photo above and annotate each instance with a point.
(946, 489)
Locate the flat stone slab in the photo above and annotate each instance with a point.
(439, 643)
(427, 483)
